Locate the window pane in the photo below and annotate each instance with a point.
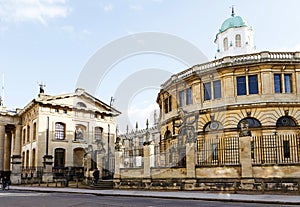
(170, 103)
(287, 83)
(59, 131)
(98, 133)
(207, 91)
(181, 98)
(215, 155)
(166, 104)
(238, 40)
(277, 83)
(225, 43)
(253, 84)
(217, 89)
(188, 96)
(286, 149)
(241, 85)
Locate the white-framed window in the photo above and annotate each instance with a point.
(60, 130)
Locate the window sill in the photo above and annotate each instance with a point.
(59, 140)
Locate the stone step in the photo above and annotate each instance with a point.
(103, 185)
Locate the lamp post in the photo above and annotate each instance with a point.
(108, 148)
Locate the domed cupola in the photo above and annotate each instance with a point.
(235, 37)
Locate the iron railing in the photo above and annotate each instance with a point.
(275, 149)
(218, 151)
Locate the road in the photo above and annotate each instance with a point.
(29, 199)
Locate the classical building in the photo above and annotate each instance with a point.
(231, 120)
(57, 134)
(133, 144)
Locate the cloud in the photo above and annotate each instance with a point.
(68, 28)
(140, 115)
(108, 7)
(32, 10)
(75, 33)
(136, 7)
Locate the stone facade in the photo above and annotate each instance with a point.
(228, 124)
(55, 133)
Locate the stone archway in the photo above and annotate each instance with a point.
(78, 155)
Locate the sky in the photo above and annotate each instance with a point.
(51, 41)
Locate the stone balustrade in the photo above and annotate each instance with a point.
(264, 56)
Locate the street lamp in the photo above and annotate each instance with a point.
(108, 148)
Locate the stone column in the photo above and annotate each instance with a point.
(88, 167)
(119, 162)
(16, 157)
(7, 151)
(190, 180)
(148, 148)
(100, 164)
(17, 142)
(2, 138)
(47, 172)
(246, 162)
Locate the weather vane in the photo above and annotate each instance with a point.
(232, 10)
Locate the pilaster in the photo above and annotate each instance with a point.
(247, 180)
(2, 138)
(15, 177)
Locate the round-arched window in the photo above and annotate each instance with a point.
(252, 123)
(285, 121)
(213, 126)
(80, 104)
(168, 135)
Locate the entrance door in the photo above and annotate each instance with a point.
(59, 157)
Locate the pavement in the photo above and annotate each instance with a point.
(195, 195)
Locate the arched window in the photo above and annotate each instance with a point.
(285, 121)
(252, 123)
(168, 135)
(33, 158)
(238, 40)
(212, 126)
(80, 104)
(98, 133)
(34, 132)
(28, 133)
(24, 136)
(225, 43)
(60, 130)
(78, 155)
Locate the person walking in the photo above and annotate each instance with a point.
(96, 175)
(4, 183)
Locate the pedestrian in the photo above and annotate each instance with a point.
(96, 175)
(4, 183)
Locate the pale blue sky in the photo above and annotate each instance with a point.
(52, 40)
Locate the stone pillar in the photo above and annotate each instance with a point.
(88, 167)
(147, 169)
(17, 142)
(118, 166)
(119, 162)
(246, 162)
(2, 138)
(100, 164)
(47, 172)
(16, 158)
(7, 151)
(190, 180)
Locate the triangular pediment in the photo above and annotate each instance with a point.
(80, 100)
